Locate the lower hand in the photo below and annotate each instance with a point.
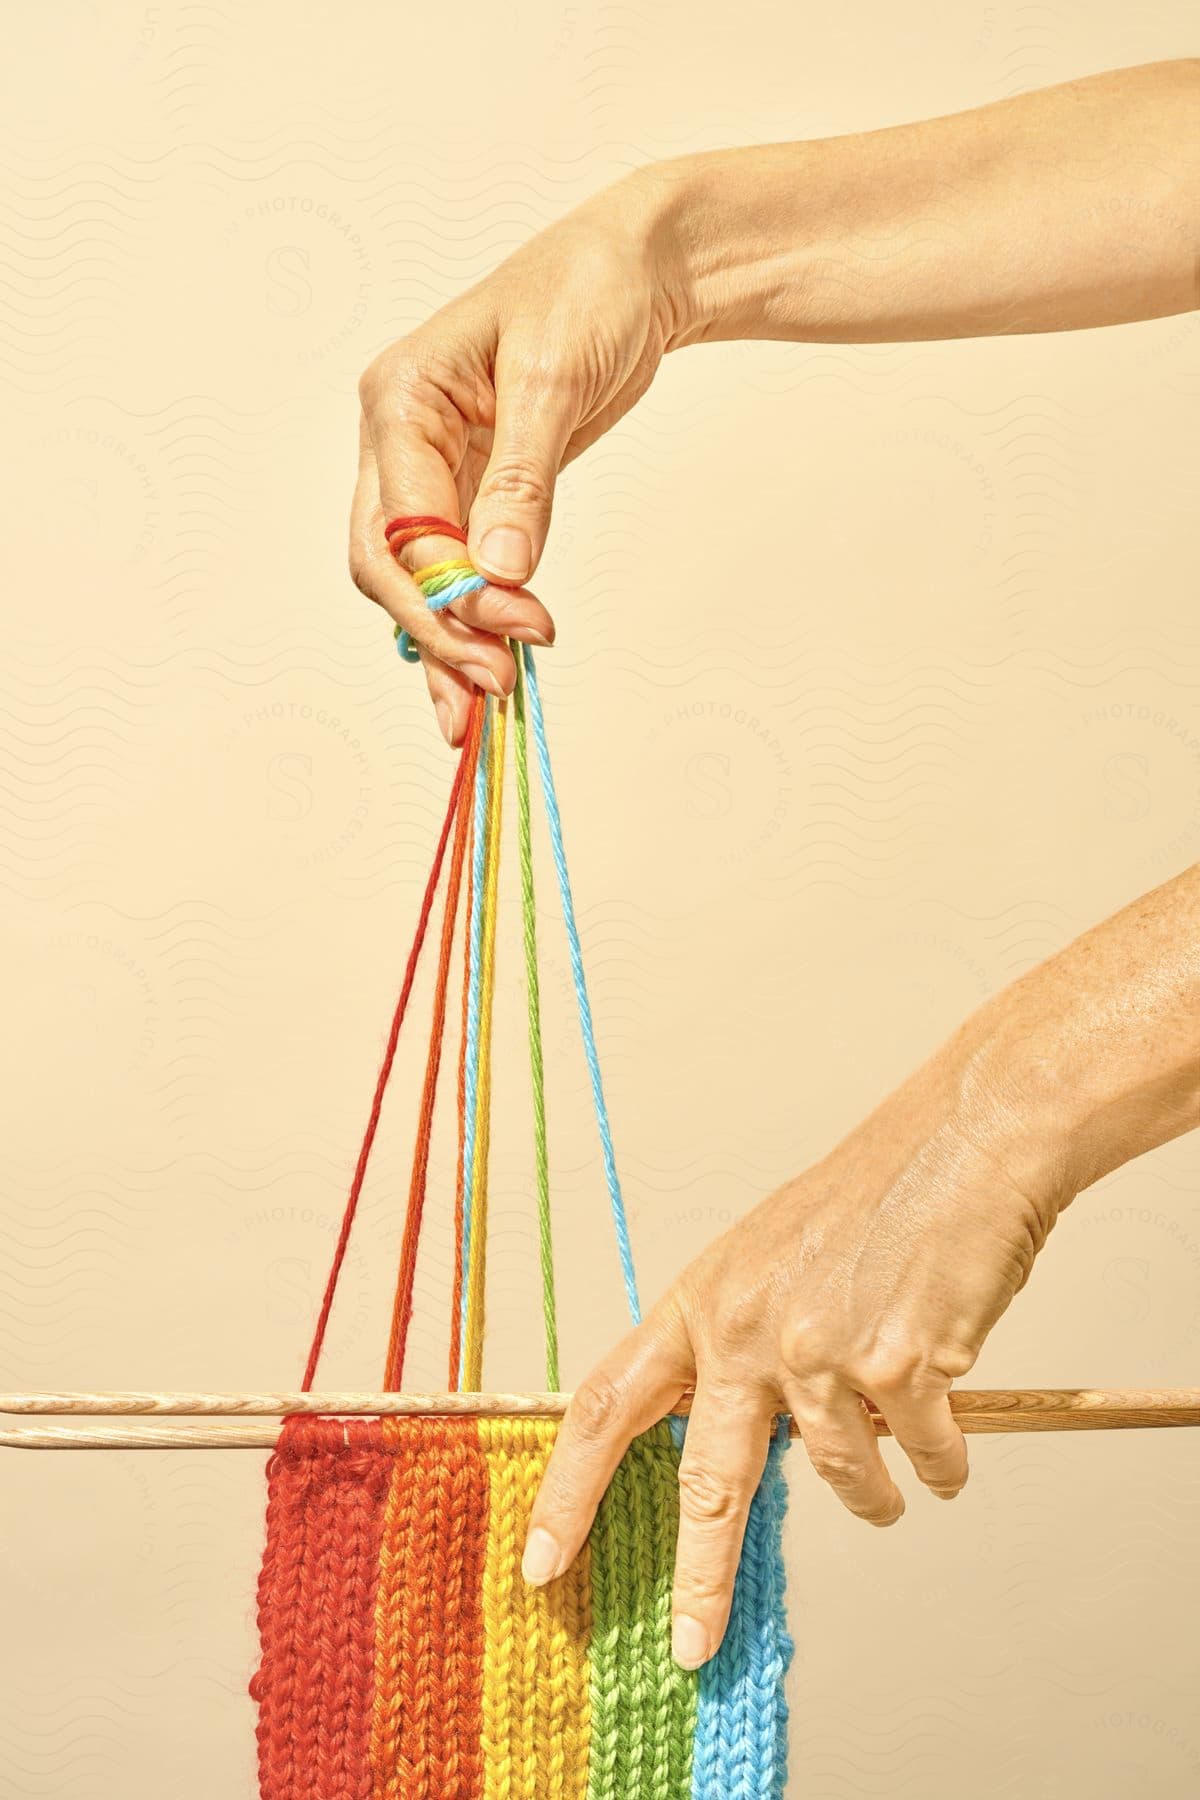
(875, 1275)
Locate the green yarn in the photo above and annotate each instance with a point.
(643, 1704)
(533, 995)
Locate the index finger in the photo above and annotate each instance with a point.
(415, 481)
(724, 1453)
(627, 1393)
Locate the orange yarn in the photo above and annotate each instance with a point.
(403, 1301)
(428, 1617)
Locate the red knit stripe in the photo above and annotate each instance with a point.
(327, 1486)
(429, 1614)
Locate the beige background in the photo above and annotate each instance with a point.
(943, 715)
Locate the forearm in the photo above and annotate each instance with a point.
(1073, 206)
(1094, 1057)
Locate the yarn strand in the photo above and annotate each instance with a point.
(460, 1185)
(381, 1082)
(533, 999)
(472, 976)
(414, 1216)
(477, 1243)
(558, 853)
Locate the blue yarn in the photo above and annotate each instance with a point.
(457, 589)
(471, 1071)
(554, 820)
(740, 1749)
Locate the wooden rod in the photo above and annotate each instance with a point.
(977, 1411)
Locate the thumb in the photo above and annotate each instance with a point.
(510, 516)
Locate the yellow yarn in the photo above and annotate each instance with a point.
(473, 1335)
(535, 1669)
(564, 1624)
(453, 565)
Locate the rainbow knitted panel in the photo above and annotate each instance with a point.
(404, 1658)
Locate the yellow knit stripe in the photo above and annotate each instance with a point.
(536, 1724)
(473, 1335)
(564, 1618)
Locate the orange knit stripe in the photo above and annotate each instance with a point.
(425, 1741)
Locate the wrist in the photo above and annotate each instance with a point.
(727, 250)
(1071, 1087)
(1020, 1109)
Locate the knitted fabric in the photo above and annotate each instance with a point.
(404, 1658)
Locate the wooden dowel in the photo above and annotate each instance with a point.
(977, 1411)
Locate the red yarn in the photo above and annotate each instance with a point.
(385, 1070)
(402, 1304)
(460, 1196)
(327, 1498)
(409, 527)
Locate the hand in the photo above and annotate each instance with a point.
(877, 1274)
(475, 413)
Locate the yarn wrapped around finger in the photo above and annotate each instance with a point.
(442, 583)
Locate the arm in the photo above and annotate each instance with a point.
(1077, 205)
(879, 1272)
(1073, 206)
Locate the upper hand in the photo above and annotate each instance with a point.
(473, 415)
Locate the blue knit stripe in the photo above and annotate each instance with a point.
(558, 854)
(740, 1750)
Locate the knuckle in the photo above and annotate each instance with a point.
(539, 365)
(839, 1468)
(518, 482)
(362, 565)
(803, 1348)
(700, 1594)
(596, 1408)
(706, 1496)
(377, 382)
(369, 387)
(559, 1495)
(396, 385)
(737, 1323)
(892, 1372)
(955, 1360)
(926, 1449)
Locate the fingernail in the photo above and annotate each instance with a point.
(689, 1642)
(506, 551)
(445, 719)
(529, 634)
(541, 1559)
(483, 677)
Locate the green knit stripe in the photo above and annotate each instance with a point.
(643, 1703)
